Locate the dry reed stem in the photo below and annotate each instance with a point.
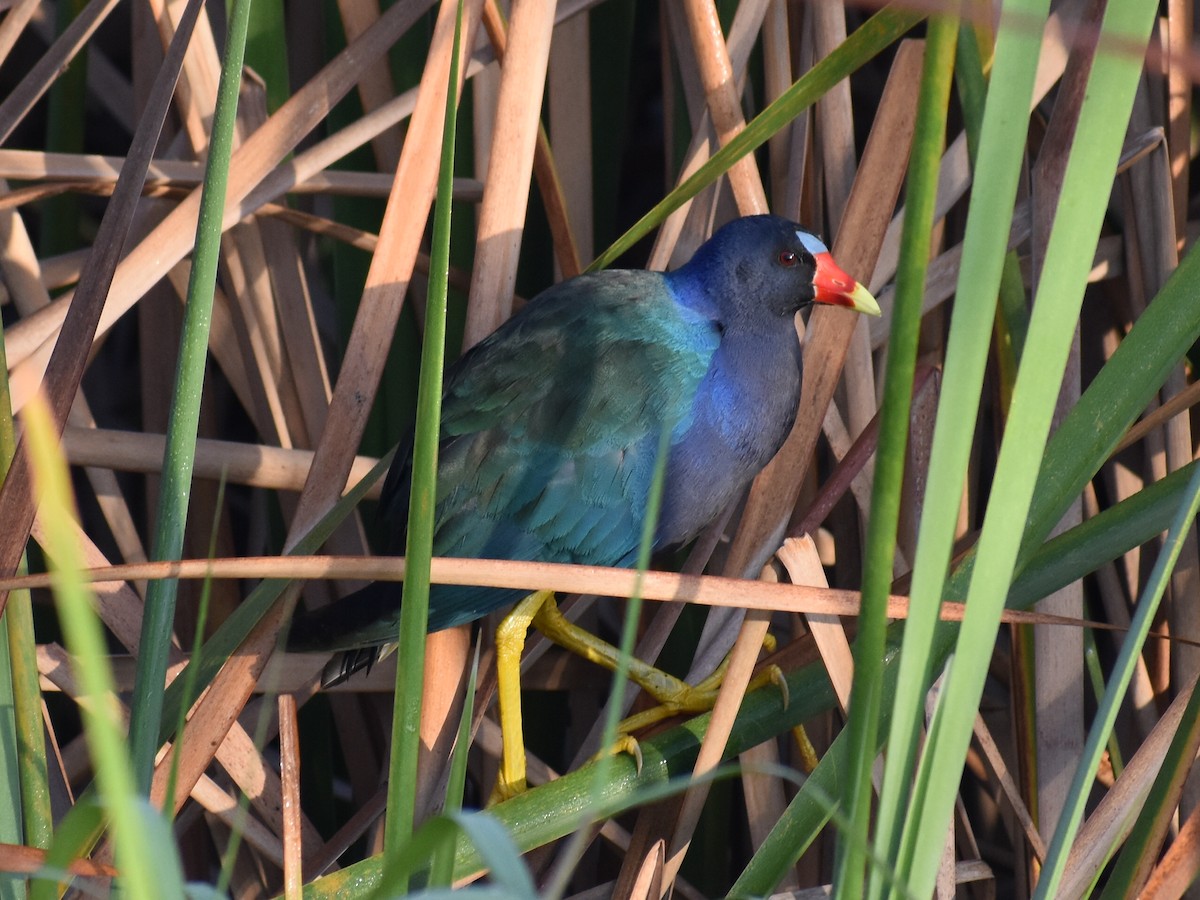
(287, 673)
(648, 883)
(255, 465)
(1008, 787)
(765, 798)
(743, 34)
(197, 89)
(15, 20)
(569, 102)
(729, 700)
(26, 343)
(706, 590)
(1179, 107)
(289, 765)
(54, 665)
(1177, 870)
(375, 87)
(526, 55)
(799, 557)
(716, 74)
(834, 116)
(19, 859)
(777, 78)
(37, 165)
(53, 63)
(566, 252)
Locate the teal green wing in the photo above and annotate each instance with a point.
(550, 428)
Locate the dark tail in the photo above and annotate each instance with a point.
(349, 663)
(359, 624)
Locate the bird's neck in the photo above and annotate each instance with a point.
(697, 285)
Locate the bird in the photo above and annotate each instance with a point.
(552, 425)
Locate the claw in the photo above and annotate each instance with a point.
(625, 743)
(629, 744)
(777, 679)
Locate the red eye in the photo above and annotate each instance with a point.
(788, 258)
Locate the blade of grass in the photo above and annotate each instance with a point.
(1068, 259)
(11, 814)
(414, 607)
(1000, 150)
(916, 239)
(25, 771)
(148, 864)
(180, 455)
(1092, 431)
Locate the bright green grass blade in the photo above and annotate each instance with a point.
(146, 713)
(1122, 674)
(25, 815)
(1083, 442)
(891, 457)
(1001, 146)
(1068, 259)
(12, 829)
(871, 38)
(144, 852)
(414, 606)
(27, 708)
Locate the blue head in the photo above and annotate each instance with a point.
(757, 270)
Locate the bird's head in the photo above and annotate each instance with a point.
(766, 266)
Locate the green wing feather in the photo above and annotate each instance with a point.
(551, 425)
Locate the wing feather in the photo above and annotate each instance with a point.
(550, 428)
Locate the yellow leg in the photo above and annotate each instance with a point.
(510, 643)
(808, 753)
(673, 694)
